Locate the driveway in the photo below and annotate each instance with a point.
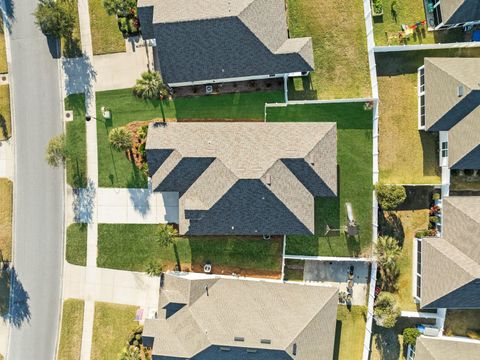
(38, 210)
(335, 273)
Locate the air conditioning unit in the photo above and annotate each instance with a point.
(209, 89)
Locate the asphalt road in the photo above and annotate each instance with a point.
(38, 247)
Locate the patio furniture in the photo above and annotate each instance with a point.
(351, 228)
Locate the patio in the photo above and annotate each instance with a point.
(336, 273)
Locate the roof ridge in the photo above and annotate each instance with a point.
(462, 264)
(434, 62)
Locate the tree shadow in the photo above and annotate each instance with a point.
(429, 143)
(19, 309)
(79, 75)
(306, 92)
(71, 47)
(390, 224)
(79, 177)
(9, 11)
(83, 202)
(140, 199)
(3, 126)
(338, 335)
(387, 343)
(137, 179)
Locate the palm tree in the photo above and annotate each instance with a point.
(167, 234)
(120, 139)
(387, 252)
(150, 86)
(154, 268)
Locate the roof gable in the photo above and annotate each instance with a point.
(460, 11)
(445, 348)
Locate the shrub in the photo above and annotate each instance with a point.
(422, 233)
(54, 19)
(386, 310)
(410, 336)
(377, 6)
(390, 196)
(153, 269)
(120, 139)
(119, 7)
(57, 152)
(142, 132)
(468, 172)
(436, 196)
(473, 334)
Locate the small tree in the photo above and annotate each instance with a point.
(390, 196)
(154, 268)
(410, 336)
(120, 139)
(119, 7)
(386, 310)
(57, 152)
(54, 19)
(387, 252)
(150, 86)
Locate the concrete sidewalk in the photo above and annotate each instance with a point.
(114, 286)
(6, 159)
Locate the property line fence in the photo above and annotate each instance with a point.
(397, 48)
(371, 300)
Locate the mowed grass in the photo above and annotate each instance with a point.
(354, 158)
(409, 12)
(72, 46)
(406, 154)
(3, 50)
(6, 203)
(76, 249)
(111, 326)
(339, 40)
(350, 333)
(76, 142)
(106, 36)
(71, 332)
(115, 170)
(5, 115)
(132, 247)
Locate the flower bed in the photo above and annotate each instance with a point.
(129, 24)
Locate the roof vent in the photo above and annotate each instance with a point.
(460, 90)
(265, 341)
(238, 338)
(294, 350)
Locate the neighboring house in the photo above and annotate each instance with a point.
(244, 178)
(444, 348)
(449, 103)
(447, 14)
(215, 41)
(448, 267)
(228, 319)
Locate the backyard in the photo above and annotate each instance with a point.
(354, 157)
(5, 123)
(408, 12)
(132, 247)
(3, 50)
(76, 142)
(350, 333)
(462, 323)
(115, 170)
(406, 155)
(106, 36)
(76, 249)
(111, 328)
(6, 194)
(71, 331)
(339, 40)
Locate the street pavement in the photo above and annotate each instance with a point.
(38, 235)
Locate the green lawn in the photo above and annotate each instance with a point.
(76, 252)
(132, 247)
(409, 12)
(106, 36)
(71, 331)
(339, 40)
(72, 46)
(354, 156)
(6, 194)
(115, 170)
(3, 50)
(5, 122)
(76, 142)
(111, 327)
(350, 333)
(294, 270)
(406, 155)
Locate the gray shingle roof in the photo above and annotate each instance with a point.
(451, 265)
(446, 111)
(200, 40)
(429, 348)
(244, 178)
(460, 11)
(285, 314)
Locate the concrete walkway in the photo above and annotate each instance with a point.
(6, 159)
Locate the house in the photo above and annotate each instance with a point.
(445, 348)
(447, 14)
(216, 41)
(449, 104)
(203, 317)
(244, 178)
(448, 267)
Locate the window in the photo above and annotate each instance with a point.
(421, 74)
(437, 14)
(421, 97)
(444, 149)
(418, 275)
